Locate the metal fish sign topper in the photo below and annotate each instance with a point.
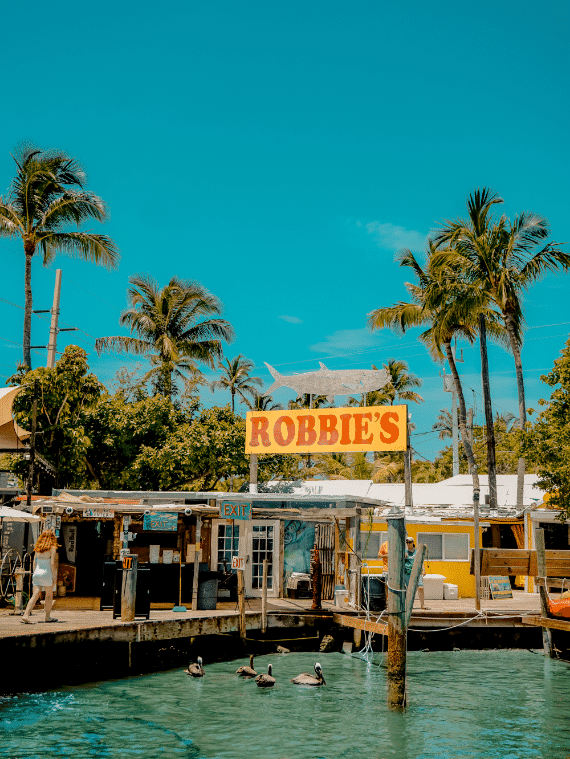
(329, 382)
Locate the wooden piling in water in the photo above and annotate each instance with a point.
(241, 604)
(543, 590)
(397, 632)
(264, 596)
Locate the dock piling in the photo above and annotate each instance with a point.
(397, 643)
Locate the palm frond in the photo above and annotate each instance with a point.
(99, 249)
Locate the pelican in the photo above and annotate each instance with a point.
(195, 670)
(265, 681)
(306, 679)
(247, 671)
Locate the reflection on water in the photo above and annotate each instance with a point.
(507, 704)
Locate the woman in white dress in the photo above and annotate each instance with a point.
(44, 576)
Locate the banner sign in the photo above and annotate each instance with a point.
(162, 521)
(327, 430)
(70, 541)
(235, 510)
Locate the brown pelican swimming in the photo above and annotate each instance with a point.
(306, 679)
(195, 670)
(247, 671)
(265, 681)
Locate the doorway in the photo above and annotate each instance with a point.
(255, 540)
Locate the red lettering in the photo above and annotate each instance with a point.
(307, 434)
(345, 429)
(389, 427)
(328, 432)
(259, 427)
(361, 428)
(281, 439)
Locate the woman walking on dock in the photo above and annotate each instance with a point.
(44, 576)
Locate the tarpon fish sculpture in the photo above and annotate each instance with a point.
(330, 382)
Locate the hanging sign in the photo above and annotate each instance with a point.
(99, 513)
(326, 430)
(235, 510)
(238, 562)
(162, 521)
(70, 541)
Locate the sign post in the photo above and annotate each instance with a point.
(129, 587)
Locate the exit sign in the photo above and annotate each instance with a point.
(237, 562)
(235, 510)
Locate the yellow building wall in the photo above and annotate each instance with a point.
(455, 572)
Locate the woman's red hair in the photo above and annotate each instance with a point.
(46, 541)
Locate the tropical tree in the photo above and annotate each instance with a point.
(262, 403)
(176, 327)
(444, 424)
(236, 378)
(47, 198)
(401, 382)
(450, 308)
(501, 258)
(308, 401)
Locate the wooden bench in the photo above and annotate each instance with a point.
(520, 561)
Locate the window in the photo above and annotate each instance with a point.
(445, 547)
(370, 542)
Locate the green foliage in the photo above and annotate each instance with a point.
(508, 450)
(547, 443)
(200, 454)
(64, 394)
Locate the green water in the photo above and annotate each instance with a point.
(462, 704)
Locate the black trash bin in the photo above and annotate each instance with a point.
(207, 591)
(374, 592)
(142, 598)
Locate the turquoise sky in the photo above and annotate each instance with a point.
(281, 153)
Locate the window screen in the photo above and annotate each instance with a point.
(434, 543)
(457, 547)
(370, 542)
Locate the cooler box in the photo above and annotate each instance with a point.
(433, 587)
(450, 592)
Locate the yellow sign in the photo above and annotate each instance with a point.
(326, 430)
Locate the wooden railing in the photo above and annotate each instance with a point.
(515, 561)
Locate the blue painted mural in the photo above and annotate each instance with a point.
(299, 539)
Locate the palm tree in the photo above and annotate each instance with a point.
(262, 403)
(45, 198)
(444, 424)
(501, 258)
(401, 382)
(176, 327)
(449, 308)
(235, 378)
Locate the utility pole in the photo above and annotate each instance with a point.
(52, 345)
(53, 329)
(30, 482)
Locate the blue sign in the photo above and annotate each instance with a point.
(162, 521)
(235, 510)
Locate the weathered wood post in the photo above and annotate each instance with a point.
(543, 591)
(241, 604)
(317, 576)
(264, 596)
(253, 473)
(19, 600)
(129, 588)
(197, 557)
(477, 544)
(397, 643)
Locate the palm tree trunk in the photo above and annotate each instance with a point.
(467, 447)
(27, 339)
(491, 460)
(233, 401)
(522, 403)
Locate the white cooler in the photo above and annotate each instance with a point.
(450, 592)
(433, 587)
